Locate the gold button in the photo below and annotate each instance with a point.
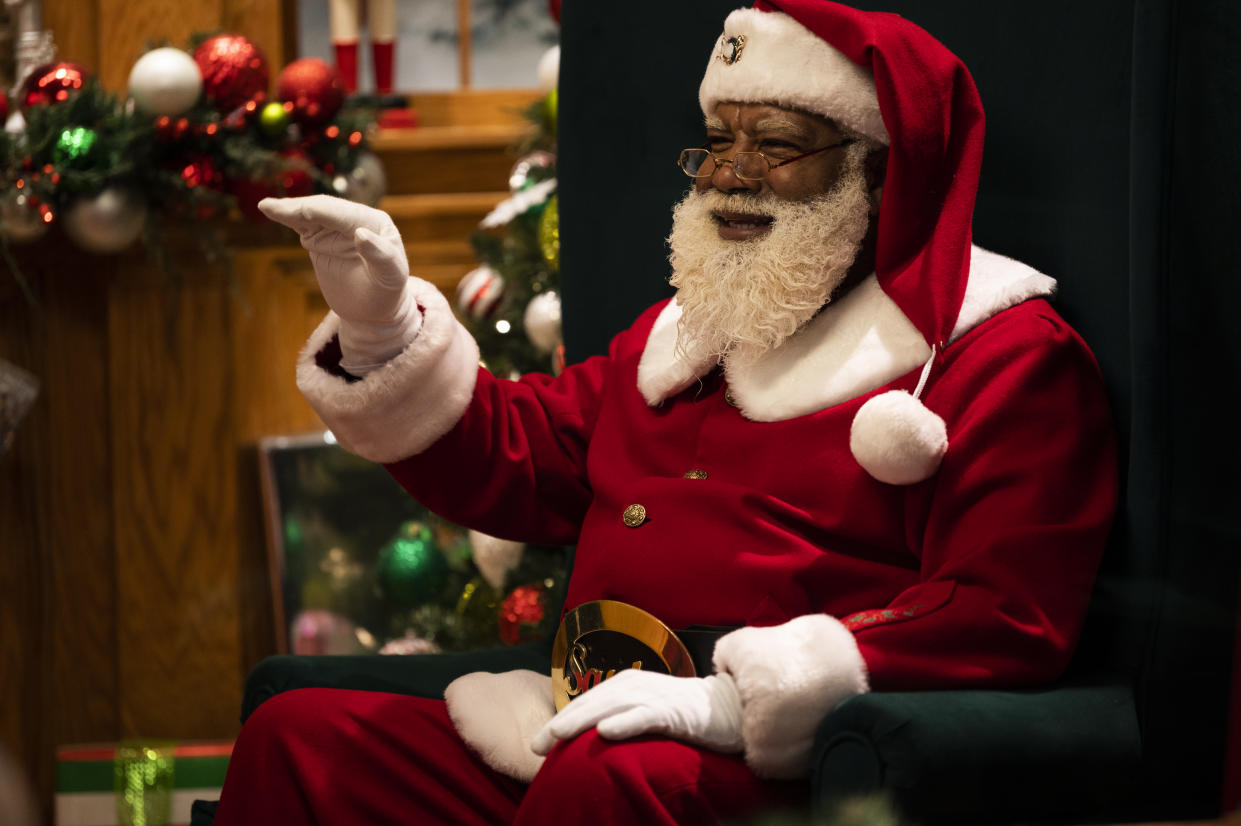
(728, 397)
(696, 474)
(634, 516)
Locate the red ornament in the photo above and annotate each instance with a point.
(313, 87)
(52, 83)
(234, 70)
(4, 106)
(553, 8)
(290, 182)
(200, 170)
(521, 613)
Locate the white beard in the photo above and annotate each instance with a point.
(743, 298)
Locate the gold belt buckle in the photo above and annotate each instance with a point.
(597, 639)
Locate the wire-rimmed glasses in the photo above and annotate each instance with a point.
(748, 166)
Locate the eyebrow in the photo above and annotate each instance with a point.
(788, 127)
(781, 125)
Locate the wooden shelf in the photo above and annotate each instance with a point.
(499, 136)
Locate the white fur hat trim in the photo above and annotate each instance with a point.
(784, 63)
(897, 440)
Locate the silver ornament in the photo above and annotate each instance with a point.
(20, 222)
(366, 183)
(542, 321)
(108, 222)
(165, 81)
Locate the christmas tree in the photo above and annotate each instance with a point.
(430, 585)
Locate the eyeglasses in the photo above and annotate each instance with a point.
(748, 166)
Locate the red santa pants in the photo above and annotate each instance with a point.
(337, 756)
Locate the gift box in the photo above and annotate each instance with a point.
(98, 784)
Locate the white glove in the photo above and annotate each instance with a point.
(363, 274)
(705, 711)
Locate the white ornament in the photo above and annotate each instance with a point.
(495, 557)
(531, 167)
(108, 222)
(19, 221)
(366, 183)
(549, 69)
(411, 643)
(165, 81)
(897, 440)
(542, 321)
(510, 208)
(480, 292)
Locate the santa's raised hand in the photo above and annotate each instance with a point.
(363, 274)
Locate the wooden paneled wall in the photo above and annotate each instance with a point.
(134, 585)
(134, 593)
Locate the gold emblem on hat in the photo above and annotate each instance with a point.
(730, 49)
(598, 639)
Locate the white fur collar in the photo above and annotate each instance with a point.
(860, 342)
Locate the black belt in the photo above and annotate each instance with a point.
(700, 641)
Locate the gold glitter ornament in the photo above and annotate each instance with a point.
(549, 233)
(274, 119)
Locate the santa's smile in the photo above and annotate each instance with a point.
(741, 226)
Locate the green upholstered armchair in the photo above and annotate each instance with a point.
(1111, 163)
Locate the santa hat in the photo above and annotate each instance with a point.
(882, 77)
(771, 58)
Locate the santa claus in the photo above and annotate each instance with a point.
(855, 451)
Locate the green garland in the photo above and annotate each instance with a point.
(185, 169)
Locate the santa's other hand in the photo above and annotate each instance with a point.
(705, 711)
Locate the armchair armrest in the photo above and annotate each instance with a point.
(993, 756)
(418, 675)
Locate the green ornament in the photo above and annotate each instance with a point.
(73, 147)
(549, 233)
(410, 568)
(552, 107)
(273, 119)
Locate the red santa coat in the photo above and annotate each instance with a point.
(756, 512)
(977, 575)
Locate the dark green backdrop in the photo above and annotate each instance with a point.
(1112, 163)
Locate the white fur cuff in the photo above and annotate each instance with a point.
(789, 677)
(403, 407)
(497, 715)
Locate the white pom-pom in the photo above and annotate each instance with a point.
(495, 557)
(897, 440)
